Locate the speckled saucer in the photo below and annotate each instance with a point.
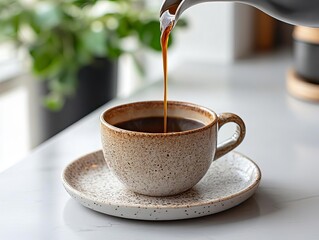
(228, 182)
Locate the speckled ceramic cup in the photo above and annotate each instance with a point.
(164, 164)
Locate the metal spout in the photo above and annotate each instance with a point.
(174, 8)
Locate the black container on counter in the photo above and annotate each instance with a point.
(306, 53)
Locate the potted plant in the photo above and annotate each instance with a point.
(74, 46)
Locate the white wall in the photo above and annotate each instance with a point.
(209, 36)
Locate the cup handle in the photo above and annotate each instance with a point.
(236, 139)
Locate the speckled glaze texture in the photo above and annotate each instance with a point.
(227, 183)
(160, 164)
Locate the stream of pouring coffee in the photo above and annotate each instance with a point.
(164, 43)
(167, 23)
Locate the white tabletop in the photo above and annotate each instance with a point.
(282, 138)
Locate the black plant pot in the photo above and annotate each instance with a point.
(97, 84)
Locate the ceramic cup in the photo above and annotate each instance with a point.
(164, 164)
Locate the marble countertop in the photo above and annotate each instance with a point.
(282, 138)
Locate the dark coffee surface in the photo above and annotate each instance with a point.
(156, 125)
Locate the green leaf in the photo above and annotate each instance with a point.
(94, 42)
(65, 83)
(150, 35)
(41, 59)
(82, 54)
(47, 15)
(47, 57)
(54, 102)
(114, 52)
(60, 88)
(84, 3)
(16, 22)
(9, 27)
(124, 28)
(6, 31)
(113, 47)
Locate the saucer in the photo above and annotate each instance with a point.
(229, 181)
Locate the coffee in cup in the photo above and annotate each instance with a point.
(156, 124)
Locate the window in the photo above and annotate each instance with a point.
(14, 136)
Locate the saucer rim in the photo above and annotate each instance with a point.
(246, 190)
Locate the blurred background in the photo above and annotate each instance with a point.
(62, 59)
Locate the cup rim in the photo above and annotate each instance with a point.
(129, 132)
